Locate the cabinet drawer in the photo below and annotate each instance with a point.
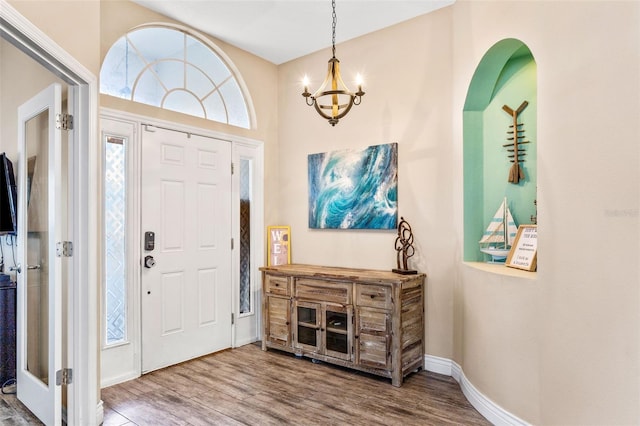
(276, 285)
(327, 291)
(373, 321)
(375, 296)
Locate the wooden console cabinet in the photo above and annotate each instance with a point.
(369, 320)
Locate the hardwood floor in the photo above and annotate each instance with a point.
(246, 386)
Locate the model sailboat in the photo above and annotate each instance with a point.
(500, 233)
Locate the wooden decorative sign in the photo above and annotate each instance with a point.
(524, 251)
(279, 245)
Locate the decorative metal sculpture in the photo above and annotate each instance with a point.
(516, 173)
(404, 245)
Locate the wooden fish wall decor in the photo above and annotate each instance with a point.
(515, 134)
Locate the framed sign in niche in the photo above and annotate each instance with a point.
(524, 251)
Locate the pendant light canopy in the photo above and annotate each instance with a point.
(333, 99)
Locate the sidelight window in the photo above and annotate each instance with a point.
(115, 225)
(245, 236)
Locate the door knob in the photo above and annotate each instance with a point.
(149, 262)
(17, 268)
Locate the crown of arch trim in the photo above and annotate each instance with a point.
(173, 68)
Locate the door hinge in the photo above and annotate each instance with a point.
(64, 249)
(233, 168)
(232, 244)
(64, 121)
(233, 318)
(64, 377)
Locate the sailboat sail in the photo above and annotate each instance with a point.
(500, 234)
(512, 229)
(495, 232)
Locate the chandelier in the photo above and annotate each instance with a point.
(333, 100)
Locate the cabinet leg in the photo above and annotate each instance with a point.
(396, 379)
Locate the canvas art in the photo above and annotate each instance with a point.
(354, 189)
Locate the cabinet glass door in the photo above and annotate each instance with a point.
(338, 331)
(308, 325)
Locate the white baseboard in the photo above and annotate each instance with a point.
(100, 413)
(435, 364)
(248, 341)
(489, 409)
(110, 381)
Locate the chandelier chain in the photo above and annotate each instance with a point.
(333, 38)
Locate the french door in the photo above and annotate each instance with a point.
(40, 251)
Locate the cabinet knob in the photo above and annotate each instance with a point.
(355, 337)
(373, 296)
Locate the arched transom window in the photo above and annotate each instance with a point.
(171, 69)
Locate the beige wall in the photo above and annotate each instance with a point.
(20, 79)
(580, 330)
(562, 346)
(407, 77)
(74, 25)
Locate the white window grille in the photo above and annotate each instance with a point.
(171, 69)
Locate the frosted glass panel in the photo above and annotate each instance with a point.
(171, 74)
(198, 82)
(115, 207)
(215, 108)
(38, 242)
(148, 90)
(245, 236)
(119, 70)
(184, 102)
(201, 56)
(155, 43)
(236, 108)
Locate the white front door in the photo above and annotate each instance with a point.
(40, 209)
(186, 273)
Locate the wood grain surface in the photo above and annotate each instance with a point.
(247, 386)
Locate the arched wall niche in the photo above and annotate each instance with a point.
(506, 75)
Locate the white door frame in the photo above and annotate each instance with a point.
(242, 147)
(83, 405)
(122, 361)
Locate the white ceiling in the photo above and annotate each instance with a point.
(282, 30)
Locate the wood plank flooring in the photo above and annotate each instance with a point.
(246, 386)
(13, 412)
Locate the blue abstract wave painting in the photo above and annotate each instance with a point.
(354, 189)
